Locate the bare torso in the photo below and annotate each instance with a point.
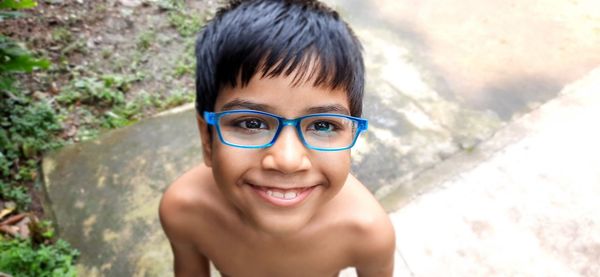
(328, 244)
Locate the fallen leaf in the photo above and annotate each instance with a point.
(5, 212)
(11, 230)
(13, 219)
(23, 226)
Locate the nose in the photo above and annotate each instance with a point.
(288, 154)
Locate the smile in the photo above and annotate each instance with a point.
(282, 197)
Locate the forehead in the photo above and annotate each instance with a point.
(283, 95)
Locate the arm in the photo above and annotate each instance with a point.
(376, 252)
(188, 260)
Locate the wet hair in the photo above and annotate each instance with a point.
(278, 38)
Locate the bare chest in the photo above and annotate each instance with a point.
(312, 256)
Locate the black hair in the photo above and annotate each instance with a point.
(275, 38)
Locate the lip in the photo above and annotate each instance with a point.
(302, 193)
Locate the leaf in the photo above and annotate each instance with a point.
(5, 212)
(48, 234)
(17, 4)
(14, 58)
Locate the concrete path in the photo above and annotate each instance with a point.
(525, 203)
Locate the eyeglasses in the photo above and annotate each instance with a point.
(256, 129)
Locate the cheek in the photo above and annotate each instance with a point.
(335, 165)
(225, 169)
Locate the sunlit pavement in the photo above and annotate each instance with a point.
(525, 203)
(486, 163)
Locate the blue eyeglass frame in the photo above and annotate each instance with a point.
(212, 118)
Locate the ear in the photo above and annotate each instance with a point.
(206, 137)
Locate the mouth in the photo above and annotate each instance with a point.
(282, 197)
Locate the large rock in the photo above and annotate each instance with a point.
(105, 194)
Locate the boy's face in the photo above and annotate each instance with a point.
(280, 188)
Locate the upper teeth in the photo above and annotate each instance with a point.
(281, 195)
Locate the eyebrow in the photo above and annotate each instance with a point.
(335, 108)
(244, 104)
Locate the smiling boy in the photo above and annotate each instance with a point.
(279, 94)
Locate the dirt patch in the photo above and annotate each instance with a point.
(146, 47)
(114, 62)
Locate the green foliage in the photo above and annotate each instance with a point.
(106, 94)
(177, 98)
(15, 193)
(14, 5)
(18, 140)
(105, 91)
(26, 129)
(145, 40)
(21, 258)
(14, 58)
(62, 34)
(186, 62)
(184, 66)
(185, 23)
(17, 4)
(169, 4)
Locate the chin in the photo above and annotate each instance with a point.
(282, 224)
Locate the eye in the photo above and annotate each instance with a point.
(322, 126)
(251, 123)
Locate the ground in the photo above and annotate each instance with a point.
(113, 62)
(140, 49)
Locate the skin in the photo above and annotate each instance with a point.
(215, 211)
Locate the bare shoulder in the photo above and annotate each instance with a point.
(371, 229)
(187, 202)
(365, 214)
(185, 213)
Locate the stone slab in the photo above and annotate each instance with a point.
(530, 209)
(105, 194)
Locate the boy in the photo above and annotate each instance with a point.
(279, 91)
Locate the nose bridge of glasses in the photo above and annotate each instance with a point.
(289, 122)
(294, 123)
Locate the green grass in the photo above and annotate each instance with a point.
(177, 98)
(186, 24)
(62, 35)
(145, 40)
(186, 62)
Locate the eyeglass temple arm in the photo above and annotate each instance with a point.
(210, 117)
(363, 124)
